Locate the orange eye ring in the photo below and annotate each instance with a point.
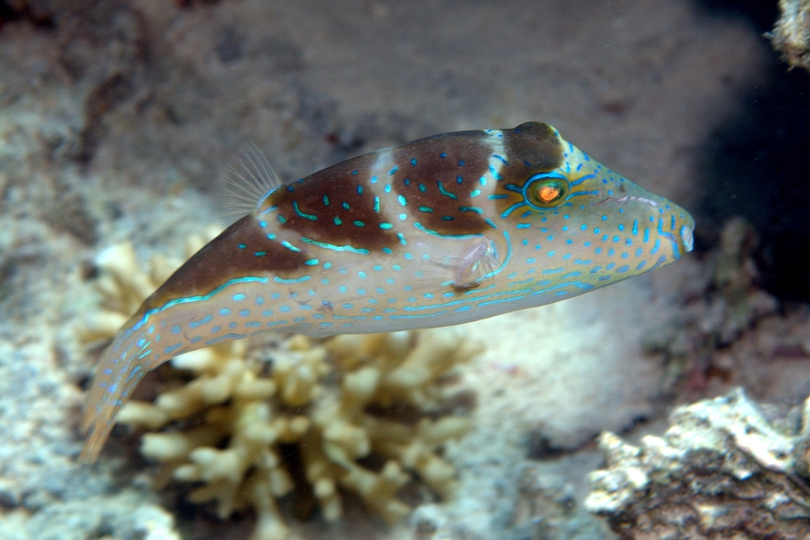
(547, 190)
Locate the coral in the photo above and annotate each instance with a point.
(314, 418)
(723, 469)
(723, 304)
(791, 34)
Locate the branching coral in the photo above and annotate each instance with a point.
(328, 403)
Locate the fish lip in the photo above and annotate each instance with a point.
(688, 237)
(687, 231)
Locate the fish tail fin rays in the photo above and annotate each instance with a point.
(246, 181)
(122, 366)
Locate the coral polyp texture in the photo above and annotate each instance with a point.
(359, 413)
(726, 468)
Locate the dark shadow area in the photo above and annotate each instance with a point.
(762, 13)
(756, 166)
(14, 11)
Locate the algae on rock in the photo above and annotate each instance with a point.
(724, 469)
(333, 403)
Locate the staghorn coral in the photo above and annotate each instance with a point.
(331, 400)
(724, 469)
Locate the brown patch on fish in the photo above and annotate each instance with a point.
(531, 148)
(427, 177)
(333, 206)
(223, 259)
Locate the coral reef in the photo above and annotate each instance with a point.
(253, 415)
(361, 413)
(157, 98)
(791, 35)
(724, 465)
(723, 304)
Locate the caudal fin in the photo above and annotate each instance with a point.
(122, 365)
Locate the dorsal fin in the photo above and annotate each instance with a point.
(246, 180)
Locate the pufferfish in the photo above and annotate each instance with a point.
(440, 231)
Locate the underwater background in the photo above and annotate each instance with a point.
(116, 120)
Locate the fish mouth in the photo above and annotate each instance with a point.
(688, 237)
(686, 230)
(681, 234)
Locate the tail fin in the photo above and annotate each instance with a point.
(122, 365)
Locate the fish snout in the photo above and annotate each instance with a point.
(662, 231)
(687, 235)
(680, 231)
(686, 228)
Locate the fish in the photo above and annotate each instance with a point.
(440, 231)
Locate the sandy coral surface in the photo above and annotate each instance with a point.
(115, 117)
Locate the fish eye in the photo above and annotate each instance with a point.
(543, 191)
